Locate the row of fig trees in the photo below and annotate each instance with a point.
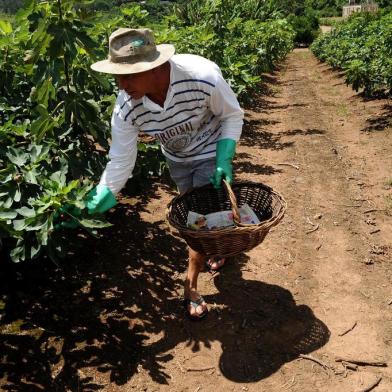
(55, 111)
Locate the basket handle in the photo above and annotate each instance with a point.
(233, 201)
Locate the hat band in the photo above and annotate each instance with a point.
(134, 58)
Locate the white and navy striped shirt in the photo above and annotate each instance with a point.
(200, 109)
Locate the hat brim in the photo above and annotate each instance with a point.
(163, 53)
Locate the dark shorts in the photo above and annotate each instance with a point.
(192, 174)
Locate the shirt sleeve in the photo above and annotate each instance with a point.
(123, 148)
(224, 104)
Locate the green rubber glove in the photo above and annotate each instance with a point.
(225, 150)
(100, 199)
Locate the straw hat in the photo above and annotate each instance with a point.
(132, 51)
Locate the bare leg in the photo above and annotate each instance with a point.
(195, 265)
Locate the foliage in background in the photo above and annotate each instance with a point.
(301, 14)
(330, 21)
(322, 8)
(362, 47)
(11, 6)
(301, 17)
(55, 112)
(326, 8)
(384, 3)
(306, 27)
(245, 38)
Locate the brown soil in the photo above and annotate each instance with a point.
(110, 318)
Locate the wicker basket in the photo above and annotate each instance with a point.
(268, 205)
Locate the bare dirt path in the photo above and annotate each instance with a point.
(342, 148)
(330, 254)
(318, 287)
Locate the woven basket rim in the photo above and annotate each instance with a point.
(263, 225)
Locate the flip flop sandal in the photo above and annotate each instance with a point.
(195, 304)
(219, 261)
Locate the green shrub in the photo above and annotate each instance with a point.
(55, 111)
(362, 47)
(306, 28)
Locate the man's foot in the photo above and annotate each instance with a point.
(214, 264)
(196, 309)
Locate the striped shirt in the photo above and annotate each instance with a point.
(200, 109)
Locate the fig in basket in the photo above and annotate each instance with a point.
(196, 221)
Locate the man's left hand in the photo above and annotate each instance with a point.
(225, 150)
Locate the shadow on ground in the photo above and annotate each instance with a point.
(254, 134)
(265, 328)
(94, 311)
(114, 307)
(380, 122)
(242, 165)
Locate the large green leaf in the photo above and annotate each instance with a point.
(19, 224)
(59, 177)
(94, 224)
(43, 234)
(16, 194)
(6, 215)
(17, 156)
(24, 250)
(39, 223)
(85, 41)
(5, 27)
(42, 126)
(72, 185)
(84, 112)
(18, 253)
(38, 151)
(44, 207)
(45, 92)
(8, 203)
(29, 7)
(30, 176)
(26, 212)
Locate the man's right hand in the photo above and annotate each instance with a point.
(99, 200)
